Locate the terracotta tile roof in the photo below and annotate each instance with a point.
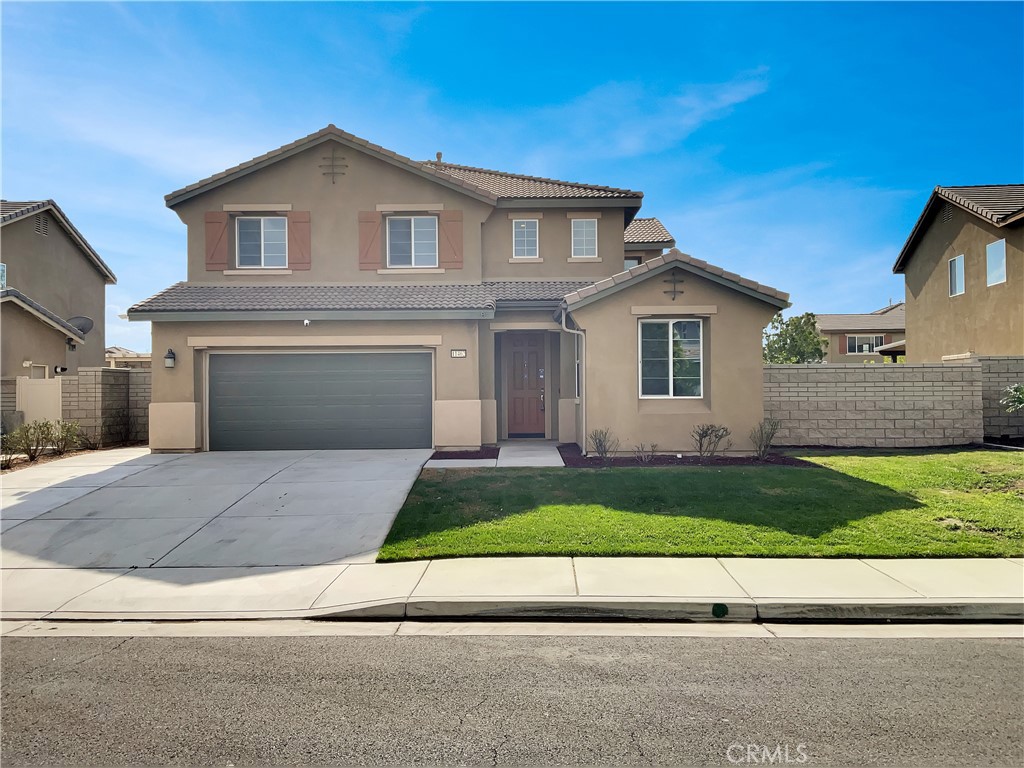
(183, 297)
(514, 186)
(901, 305)
(648, 231)
(12, 294)
(489, 185)
(998, 204)
(124, 352)
(893, 320)
(660, 263)
(11, 210)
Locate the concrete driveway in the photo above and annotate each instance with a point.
(128, 508)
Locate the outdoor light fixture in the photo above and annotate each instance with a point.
(169, 359)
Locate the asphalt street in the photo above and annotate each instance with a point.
(511, 700)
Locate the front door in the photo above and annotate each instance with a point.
(524, 378)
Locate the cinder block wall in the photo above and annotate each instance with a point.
(883, 406)
(108, 403)
(997, 373)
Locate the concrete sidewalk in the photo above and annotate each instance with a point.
(697, 589)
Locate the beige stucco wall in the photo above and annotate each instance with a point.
(554, 247)
(23, 336)
(837, 345)
(731, 356)
(457, 414)
(984, 320)
(52, 271)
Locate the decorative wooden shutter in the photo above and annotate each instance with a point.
(299, 241)
(449, 240)
(887, 339)
(370, 251)
(845, 345)
(216, 241)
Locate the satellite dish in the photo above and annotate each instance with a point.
(82, 324)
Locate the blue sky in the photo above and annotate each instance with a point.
(793, 143)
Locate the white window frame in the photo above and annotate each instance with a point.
(262, 264)
(877, 340)
(671, 379)
(596, 253)
(962, 275)
(412, 244)
(536, 238)
(988, 257)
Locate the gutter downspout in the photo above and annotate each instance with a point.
(583, 372)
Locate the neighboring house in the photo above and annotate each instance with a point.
(342, 296)
(963, 266)
(644, 239)
(120, 357)
(857, 338)
(53, 278)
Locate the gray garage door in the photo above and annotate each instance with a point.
(297, 401)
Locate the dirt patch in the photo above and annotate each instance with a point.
(483, 453)
(956, 524)
(573, 457)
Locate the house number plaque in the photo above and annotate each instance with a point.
(458, 353)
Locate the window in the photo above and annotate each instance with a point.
(862, 345)
(412, 241)
(584, 238)
(956, 276)
(670, 358)
(524, 239)
(995, 262)
(262, 241)
(631, 262)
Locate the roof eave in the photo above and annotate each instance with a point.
(650, 246)
(41, 313)
(214, 315)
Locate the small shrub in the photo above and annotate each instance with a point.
(644, 454)
(11, 445)
(707, 438)
(603, 443)
(38, 437)
(119, 427)
(66, 436)
(1013, 398)
(87, 441)
(762, 436)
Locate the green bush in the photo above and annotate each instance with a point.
(1013, 398)
(66, 436)
(38, 437)
(10, 446)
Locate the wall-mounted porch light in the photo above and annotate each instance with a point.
(169, 359)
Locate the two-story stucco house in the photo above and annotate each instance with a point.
(342, 296)
(963, 265)
(52, 275)
(862, 338)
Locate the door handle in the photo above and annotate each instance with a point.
(542, 399)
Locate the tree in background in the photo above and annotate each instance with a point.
(795, 340)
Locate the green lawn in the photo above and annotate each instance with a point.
(950, 503)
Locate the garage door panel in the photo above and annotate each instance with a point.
(324, 401)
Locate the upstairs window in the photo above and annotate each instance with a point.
(412, 241)
(524, 239)
(671, 363)
(584, 238)
(956, 275)
(262, 241)
(995, 262)
(863, 345)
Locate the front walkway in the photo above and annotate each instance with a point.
(511, 453)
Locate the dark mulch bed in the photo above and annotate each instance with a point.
(573, 457)
(483, 453)
(1015, 442)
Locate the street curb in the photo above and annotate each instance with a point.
(604, 608)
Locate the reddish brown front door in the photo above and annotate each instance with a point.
(524, 379)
